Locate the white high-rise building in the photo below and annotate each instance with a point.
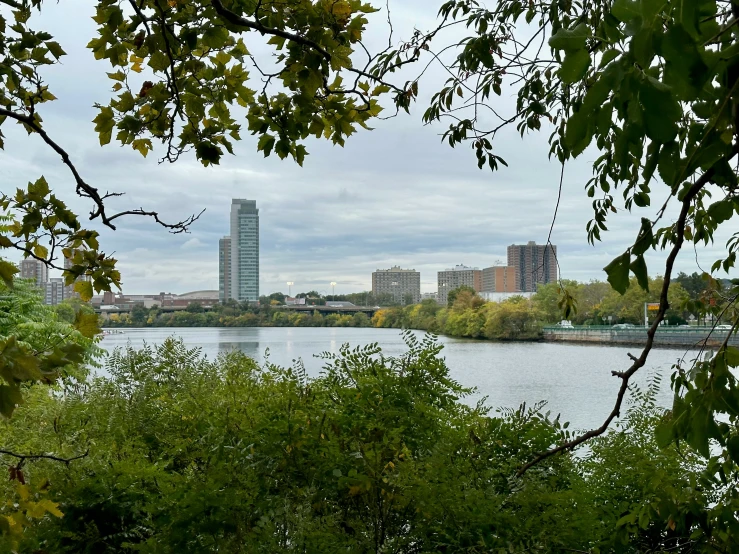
(244, 278)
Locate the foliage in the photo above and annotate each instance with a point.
(35, 345)
(377, 454)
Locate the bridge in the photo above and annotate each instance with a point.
(349, 310)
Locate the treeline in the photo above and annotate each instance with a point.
(233, 314)
(466, 315)
(518, 318)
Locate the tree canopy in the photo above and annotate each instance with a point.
(647, 88)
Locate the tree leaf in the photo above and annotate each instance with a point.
(618, 273)
(84, 288)
(570, 39)
(7, 271)
(626, 10)
(639, 267)
(575, 66)
(10, 397)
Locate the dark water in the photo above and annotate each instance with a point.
(575, 379)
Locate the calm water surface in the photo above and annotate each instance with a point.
(575, 379)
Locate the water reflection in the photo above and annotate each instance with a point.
(576, 380)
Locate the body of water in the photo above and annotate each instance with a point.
(575, 379)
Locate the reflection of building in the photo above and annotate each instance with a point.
(69, 291)
(244, 278)
(455, 277)
(401, 284)
(36, 270)
(535, 264)
(54, 291)
(499, 278)
(224, 269)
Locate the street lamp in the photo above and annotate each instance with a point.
(333, 289)
(289, 288)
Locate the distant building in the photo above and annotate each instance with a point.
(399, 283)
(69, 291)
(535, 264)
(244, 278)
(224, 269)
(430, 296)
(454, 278)
(499, 278)
(54, 291)
(501, 296)
(36, 270)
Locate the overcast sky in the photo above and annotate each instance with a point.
(392, 196)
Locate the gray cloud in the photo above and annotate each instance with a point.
(395, 195)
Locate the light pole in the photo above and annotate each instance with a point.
(333, 289)
(289, 288)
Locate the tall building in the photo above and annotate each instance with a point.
(69, 291)
(499, 278)
(36, 270)
(244, 278)
(224, 269)
(535, 264)
(54, 291)
(399, 283)
(453, 278)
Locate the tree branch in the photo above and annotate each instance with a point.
(88, 191)
(24, 457)
(642, 359)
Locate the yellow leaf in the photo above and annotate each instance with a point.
(117, 87)
(136, 67)
(355, 490)
(23, 492)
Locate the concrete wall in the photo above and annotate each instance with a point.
(665, 336)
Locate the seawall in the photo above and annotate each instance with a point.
(665, 336)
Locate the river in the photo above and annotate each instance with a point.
(575, 379)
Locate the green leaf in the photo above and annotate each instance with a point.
(608, 56)
(55, 49)
(575, 66)
(645, 238)
(7, 270)
(159, 61)
(570, 39)
(87, 324)
(732, 447)
(661, 113)
(618, 273)
(639, 267)
(721, 211)
(10, 397)
(84, 288)
(626, 10)
(578, 133)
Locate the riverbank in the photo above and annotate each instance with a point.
(696, 337)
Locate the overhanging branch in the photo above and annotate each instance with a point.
(88, 191)
(639, 362)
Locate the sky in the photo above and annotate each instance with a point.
(395, 195)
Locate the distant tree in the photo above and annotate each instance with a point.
(452, 296)
(194, 308)
(280, 297)
(694, 284)
(139, 315)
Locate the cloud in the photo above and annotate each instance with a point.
(393, 195)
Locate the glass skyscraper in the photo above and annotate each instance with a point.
(242, 283)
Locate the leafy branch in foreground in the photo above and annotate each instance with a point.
(650, 85)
